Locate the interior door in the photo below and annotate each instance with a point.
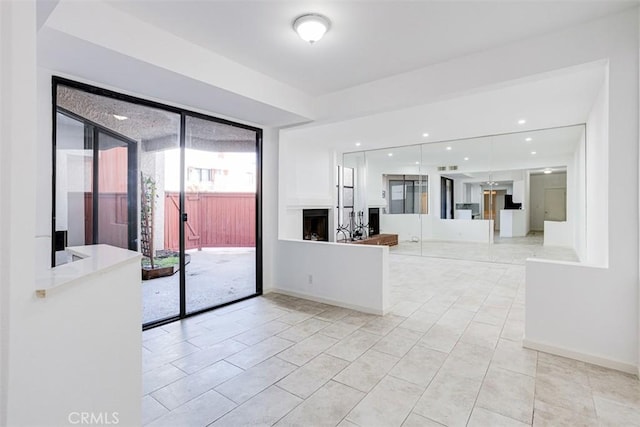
(555, 204)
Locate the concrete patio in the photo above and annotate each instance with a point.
(213, 277)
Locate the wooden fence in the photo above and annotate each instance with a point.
(214, 220)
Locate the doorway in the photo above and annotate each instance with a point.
(180, 187)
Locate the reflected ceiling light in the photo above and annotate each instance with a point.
(466, 158)
(358, 144)
(528, 139)
(534, 153)
(390, 154)
(522, 121)
(117, 117)
(311, 27)
(448, 148)
(425, 134)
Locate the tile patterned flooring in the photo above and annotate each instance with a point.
(449, 353)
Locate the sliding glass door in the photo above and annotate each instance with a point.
(220, 200)
(179, 187)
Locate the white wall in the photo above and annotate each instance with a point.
(597, 182)
(578, 197)
(18, 171)
(352, 276)
(269, 206)
(406, 226)
(602, 302)
(558, 233)
(575, 311)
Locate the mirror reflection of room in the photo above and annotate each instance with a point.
(502, 198)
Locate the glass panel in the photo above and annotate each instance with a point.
(348, 196)
(455, 226)
(159, 209)
(391, 177)
(113, 195)
(220, 233)
(138, 185)
(74, 186)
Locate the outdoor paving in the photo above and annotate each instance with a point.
(214, 276)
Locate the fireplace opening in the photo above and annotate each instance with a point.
(374, 221)
(315, 224)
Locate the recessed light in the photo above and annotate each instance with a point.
(522, 121)
(448, 148)
(534, 153)
(390, 154)
(117, 117)
(358, 144)
(425, 134)
(466, 158)
(529, 139)
(547, 171)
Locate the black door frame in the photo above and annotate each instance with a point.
(182, 312)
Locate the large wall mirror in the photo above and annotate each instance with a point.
(502, 198)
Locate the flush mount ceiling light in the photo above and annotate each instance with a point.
(358, 144)
(425, 134)
(528, 139)
(311, 27)
(390, 154)
(449, 148)
(522, 121)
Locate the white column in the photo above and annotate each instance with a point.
(17, 195)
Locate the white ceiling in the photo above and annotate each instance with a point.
(369, 40)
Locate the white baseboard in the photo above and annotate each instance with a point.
(583, 357)
(325, 301)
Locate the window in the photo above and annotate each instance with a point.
(347, 195)
(408, 194)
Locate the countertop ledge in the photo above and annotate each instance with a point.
(96, 259)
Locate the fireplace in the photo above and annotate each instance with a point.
(374, 221)
(315, 224)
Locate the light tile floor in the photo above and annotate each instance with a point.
(448, 353)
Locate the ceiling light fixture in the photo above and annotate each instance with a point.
(417, 163)
(117, 117)
(390, 154)
(311, 27)
(449, 148)
(358, 144)
(522, 121)
(425, 134)
(466, 158)
(529, 139)
(547, 171)
(534, 153)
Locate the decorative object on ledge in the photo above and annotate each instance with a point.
(356, 230)
(315, 224)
